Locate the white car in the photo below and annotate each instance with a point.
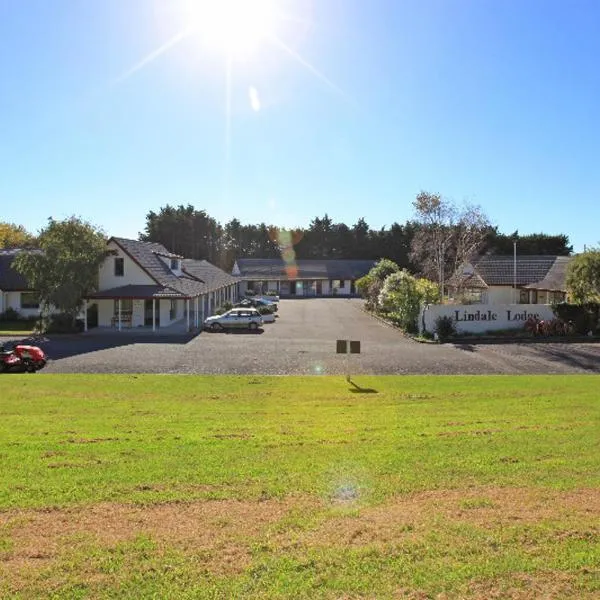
(236, 318)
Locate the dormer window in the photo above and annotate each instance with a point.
(174, 264)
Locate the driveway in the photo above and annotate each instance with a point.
(302, 342)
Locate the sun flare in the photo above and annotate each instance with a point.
(237, 27)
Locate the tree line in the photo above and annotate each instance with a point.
(436, 241)
(414, 245)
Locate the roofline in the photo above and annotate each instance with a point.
(112, 239)
(138, 297)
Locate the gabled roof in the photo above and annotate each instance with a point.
(138, 292)
(147, 256)
(214, 277)
(198, 276)
(500, 270)
(276, 268)
(556, 278)
(10, 279)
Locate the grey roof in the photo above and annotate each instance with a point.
(137, 292)
(556, 278)
(146, 255)
(10, 279)
(198, 276)
(499, 270)
(276, 268)
(214, 277)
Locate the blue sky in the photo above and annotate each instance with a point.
(493, 103)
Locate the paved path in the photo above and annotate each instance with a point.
(303, 342)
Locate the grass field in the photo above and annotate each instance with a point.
(257, 487)
(12, 328)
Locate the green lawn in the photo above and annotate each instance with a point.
(16, 327)
(260, 487)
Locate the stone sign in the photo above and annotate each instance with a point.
(479, 318)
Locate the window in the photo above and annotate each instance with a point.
(173, 310)
(119, 267)
(29, 300)
(126, 306)
(341, 283)
(174, 264)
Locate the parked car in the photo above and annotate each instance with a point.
(261, 301)
(236, 318)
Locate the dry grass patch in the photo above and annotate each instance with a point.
(222, 531)
(484, 507)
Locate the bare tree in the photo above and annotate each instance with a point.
(446, 237)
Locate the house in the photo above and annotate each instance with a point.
(142, 284)
(15, 293)
(491, 280)
(296, 278)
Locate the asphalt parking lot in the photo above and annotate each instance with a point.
(302, 342)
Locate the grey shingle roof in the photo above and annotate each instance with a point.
(556, 278)
(531, 271)
(214, 277)
(137, 292)
(274, 268)
(10, 279)
(199, 276)
(146, 255)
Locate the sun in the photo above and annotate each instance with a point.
(237, 27)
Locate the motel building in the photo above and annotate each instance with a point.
(142, 285)
(492, 279)
(493, 293)
(301, 278)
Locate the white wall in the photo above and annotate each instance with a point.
(502, 295)
(479, 318)
(133, 274)
(13, 300)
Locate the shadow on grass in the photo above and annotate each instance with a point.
(356, 389)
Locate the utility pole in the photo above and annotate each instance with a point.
(515, 273)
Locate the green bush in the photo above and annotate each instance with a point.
(445, 328)
(584, 317)
(60, 323)
(227, 306)
(265, 310)
(10, 314)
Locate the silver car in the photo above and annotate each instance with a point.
(237, 318)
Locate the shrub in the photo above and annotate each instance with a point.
(400, 295)
(271, 293)
(60, 323)
(585, 317)
(250, 293)
(445, 328)
(10, 314)
(227, 306)
(265, 310)
(550, 328)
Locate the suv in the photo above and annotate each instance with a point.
(236, 318)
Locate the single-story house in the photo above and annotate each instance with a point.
(142, 284)
(310, 277)
(15, 293)
(490, 280)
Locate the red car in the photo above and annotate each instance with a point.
(21, 358)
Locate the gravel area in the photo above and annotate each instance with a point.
(302, 342)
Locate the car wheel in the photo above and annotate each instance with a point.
(216, 327)
(252, 326)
